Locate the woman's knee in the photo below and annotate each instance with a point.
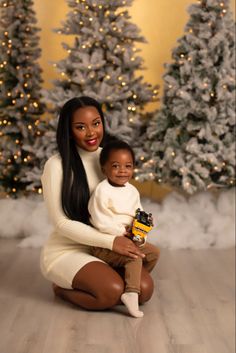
(102, 282)
(146, 287)
(111, 292)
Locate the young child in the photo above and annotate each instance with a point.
(112, 208)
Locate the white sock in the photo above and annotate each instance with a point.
(130, 299)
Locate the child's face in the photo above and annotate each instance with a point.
(87, 128)
(119, 167)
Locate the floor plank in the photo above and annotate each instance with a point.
(191, 311)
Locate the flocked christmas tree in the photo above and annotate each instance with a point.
(103, 63)
(191, 140)
(20, 84)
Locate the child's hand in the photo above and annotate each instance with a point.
(128, 231)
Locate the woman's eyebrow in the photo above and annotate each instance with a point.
(81, 123)
(78, 122)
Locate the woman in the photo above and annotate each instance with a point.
(68, 180)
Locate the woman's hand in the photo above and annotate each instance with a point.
(124, 246)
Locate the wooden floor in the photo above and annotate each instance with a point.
(191, 311)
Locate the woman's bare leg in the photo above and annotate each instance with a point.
(95, 287)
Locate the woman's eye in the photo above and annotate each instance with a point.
(115, 166)
(78, 127)
(129, 166)
(97, 123)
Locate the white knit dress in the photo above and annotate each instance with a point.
(67, 249)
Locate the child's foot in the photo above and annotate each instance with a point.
(130, 299)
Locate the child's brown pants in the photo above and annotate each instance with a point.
(133, 267)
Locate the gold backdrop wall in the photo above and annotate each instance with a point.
(161, 22)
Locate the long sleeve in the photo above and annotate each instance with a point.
(74, 230)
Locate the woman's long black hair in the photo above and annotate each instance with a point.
(75, 189)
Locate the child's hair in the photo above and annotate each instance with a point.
(75, 190)
(114, 145)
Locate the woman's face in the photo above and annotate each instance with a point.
(87, 128)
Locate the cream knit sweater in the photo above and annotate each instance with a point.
(69, 237)
(112, 208)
